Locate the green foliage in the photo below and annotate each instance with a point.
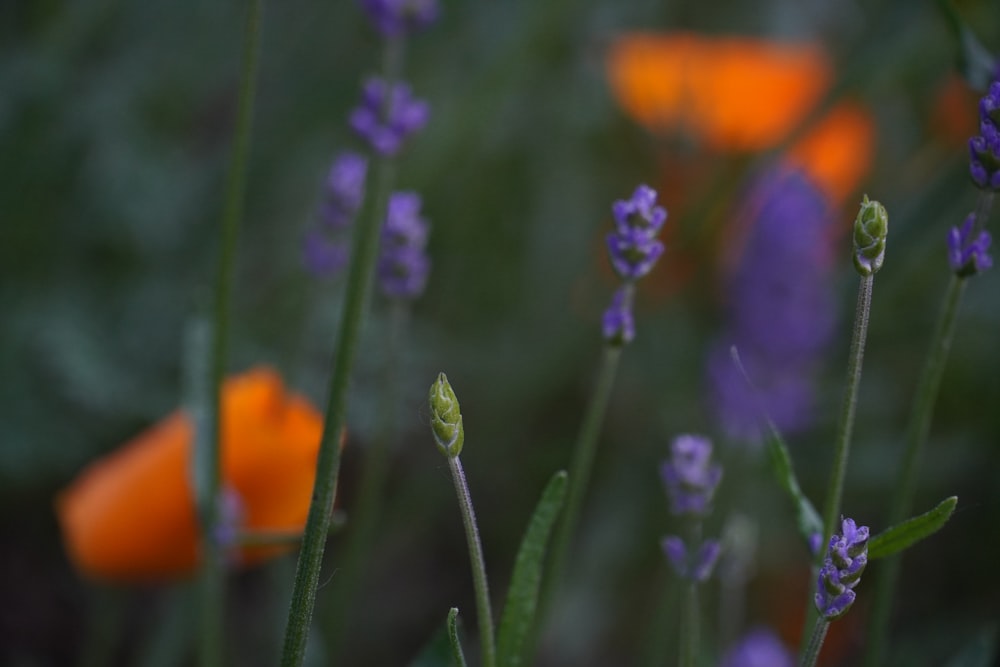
(904, 535)
(522, 597)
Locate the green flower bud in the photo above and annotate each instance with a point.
(446, 418)
(870, 229)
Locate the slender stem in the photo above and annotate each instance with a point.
(483, 607)
(842, 444)
(579, 473)
(811, 655)
(916, 435)
(689, 638)
(358, 290)
(368, 505)
(211, 579)
(457, 655)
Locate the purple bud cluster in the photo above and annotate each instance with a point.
(758, 648)
(968, 248)
(690, 479)
(388, 115)
(633, 248)
(845, 561)
(781, 314)
(403, 264)
(325, 249)
(395, 18)
(984, 148)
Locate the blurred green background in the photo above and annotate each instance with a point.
(115, 125)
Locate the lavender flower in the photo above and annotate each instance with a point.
(781, 314)
(388, 115)
(689, 476)
(758, 648)
(324, 247)
(403, 264)
(617, 323)
(394, 18)
(845, 561)
(984, 148)
(696, 567)
(967, 251)
(870, 230)
(633, 246)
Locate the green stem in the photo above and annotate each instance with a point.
(916, 435)
(483, 607)
(368, 506)
(811, 655)
(842, 444)
(358, 290)
(579, 473)
(689, 638)
(211, 577)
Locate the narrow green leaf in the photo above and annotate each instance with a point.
(457, 657)
(806, 516)
(904, 535)
(522, 596)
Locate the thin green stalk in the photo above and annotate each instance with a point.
(689, 638)
(811, 655)
(358, 290)
(484, 609)
(842, 445)
(916, 435)
(211, 577)
(368, 505)
(579, 473)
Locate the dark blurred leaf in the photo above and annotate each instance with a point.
(975, 62)
(979, 652)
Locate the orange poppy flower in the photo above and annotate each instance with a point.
(733, 93)
(131, 515)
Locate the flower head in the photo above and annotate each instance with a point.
(870, 230)
(758, 648)
(984, 148)
(689, 476)
(781, 314)
(344, 190)
(403, 264)
(633, 246)
(393, 18)
(446, 417)
(967, 250)
(618, 324)
(131, 515)
(696, 566)
(846, 559)
(388, 115)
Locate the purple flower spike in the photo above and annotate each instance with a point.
(403, 264)
(323, 256)
(758, 648)
(968, 251)
(394, 18)
(344, 190)
(984, 148)
(689, 476)
(618, 324)
(388, 115)
(704, 561)
(633, 246)
(846, 559)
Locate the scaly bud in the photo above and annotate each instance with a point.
(446, 418)
(870, 229)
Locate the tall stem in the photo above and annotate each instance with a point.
(579, 472)
(811, 654)
(845, 427)
(358, 290)
(368, 505)
(483, 608)
(690, 625)
(208, 466)
(917, 431)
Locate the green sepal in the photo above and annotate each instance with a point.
(904, 535)
(809, 522)
(975, 62)
(522, 596)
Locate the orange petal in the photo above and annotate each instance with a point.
(733, 93)
(131, 515)
(837, 151)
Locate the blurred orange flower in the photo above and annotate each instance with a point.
(131, 515)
